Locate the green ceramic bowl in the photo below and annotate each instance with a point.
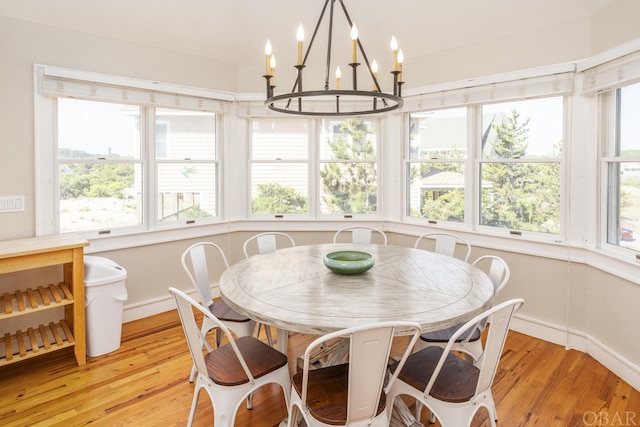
(349, 262)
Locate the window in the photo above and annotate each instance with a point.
(508, 165)
(519, 179)
(102, 166)
(186, 165)
(622, 166)
(348, 167)
(279, 166)
(123, 158)
(283, 176)
(435, 171)
(99, 163)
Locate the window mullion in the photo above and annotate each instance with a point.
(314, 168)
(149, 165)
(473, 176)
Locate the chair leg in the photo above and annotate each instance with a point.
(218, 337)
(267, 330)
(194, 403)
(250, 401)
(192, 376)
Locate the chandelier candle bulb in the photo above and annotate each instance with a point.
(400, 61)
(394, 49)
(300, 35)
(272, 69)
(267, 52)
(354, 44)
(338, 75)
(374, 71)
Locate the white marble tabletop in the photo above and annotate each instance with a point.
(293, 290)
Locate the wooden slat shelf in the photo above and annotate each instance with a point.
(30, 300)
(67, 251)
(34, 342)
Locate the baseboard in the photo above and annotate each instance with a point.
(577, 340)
(148, 308)
(570, 339)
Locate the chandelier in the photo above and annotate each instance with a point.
(335, 101)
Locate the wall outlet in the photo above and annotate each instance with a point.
(11, 204)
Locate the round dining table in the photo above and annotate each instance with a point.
(293, 290)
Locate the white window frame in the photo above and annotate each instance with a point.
(467, 163)
(52, 82)
(544, 82)
(309, 161)
(602, 75)
(480, 160)
(314, 165)
(608, 142)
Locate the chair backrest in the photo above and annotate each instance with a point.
(194, 262)
(361, 234)
(499, 318)
(369, 349)
(266, 242)
(186, 306)
(446, 244)
(499, 271)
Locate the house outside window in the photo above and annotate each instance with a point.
(279, 166)
(436, 167)
(622, 166)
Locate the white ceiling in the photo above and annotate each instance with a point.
(235, 31)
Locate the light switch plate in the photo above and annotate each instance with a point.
(11, 204)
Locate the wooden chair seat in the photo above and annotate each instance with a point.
(260, 358)
(443, 335)
(456, 382)
(327, 396)
(223, 312)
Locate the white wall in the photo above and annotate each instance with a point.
(590, 308)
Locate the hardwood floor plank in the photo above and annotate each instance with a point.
(145, 383)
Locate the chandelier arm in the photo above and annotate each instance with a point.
(315, 31)
(364, 54)
(328, 67)
(297, 82)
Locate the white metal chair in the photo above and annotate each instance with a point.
(194, 262)
(264, 243)
(446, 244)
(352, 393)
(361, 235)
(470, 343)
(453, 388)
(229, 373)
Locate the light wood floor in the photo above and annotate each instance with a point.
(145, 383)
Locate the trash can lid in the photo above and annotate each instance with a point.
(100, 270)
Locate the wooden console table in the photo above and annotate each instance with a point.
(26, 254)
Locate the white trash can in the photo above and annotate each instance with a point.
(104, 296)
